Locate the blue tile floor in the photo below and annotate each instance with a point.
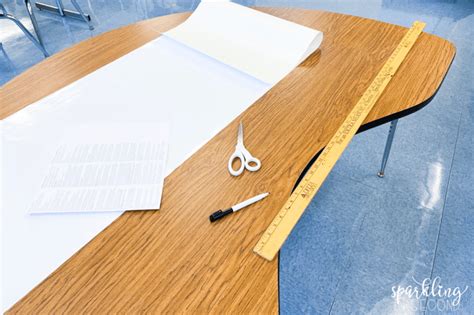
(362, 235)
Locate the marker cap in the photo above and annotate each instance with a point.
(219, 214)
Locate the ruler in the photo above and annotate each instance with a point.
(275, 235)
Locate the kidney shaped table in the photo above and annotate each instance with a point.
(210, 268)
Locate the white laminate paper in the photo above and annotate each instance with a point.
(162, 82)
(259, 44)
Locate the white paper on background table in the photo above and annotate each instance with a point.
(164, 81)
(106, 167)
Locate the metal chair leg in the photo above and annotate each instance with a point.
(85, 17)
(31, 13)
(5, 15)
(388, 146)
(59, 9)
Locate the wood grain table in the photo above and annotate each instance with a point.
(174, 260)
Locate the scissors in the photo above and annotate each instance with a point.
(247, 161)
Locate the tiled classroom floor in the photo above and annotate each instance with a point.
(362, 234)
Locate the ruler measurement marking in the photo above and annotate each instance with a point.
(308, 187)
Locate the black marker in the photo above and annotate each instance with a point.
(219, 214)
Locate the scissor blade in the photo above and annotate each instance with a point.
(240, 135)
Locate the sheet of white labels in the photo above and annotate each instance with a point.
(106, 167)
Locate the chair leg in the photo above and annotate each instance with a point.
(31, 13)
(85, 17)
(388, 146)
(25, 31)
(59, 9)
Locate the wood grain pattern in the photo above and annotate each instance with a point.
(174, 260)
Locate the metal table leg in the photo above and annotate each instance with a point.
(388, 146)
(37, 43)
(59, 9)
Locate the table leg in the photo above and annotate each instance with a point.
(388, 146)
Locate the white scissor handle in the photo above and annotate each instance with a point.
(252, 164)
(236, 155)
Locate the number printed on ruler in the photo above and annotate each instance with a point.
(281, 226)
